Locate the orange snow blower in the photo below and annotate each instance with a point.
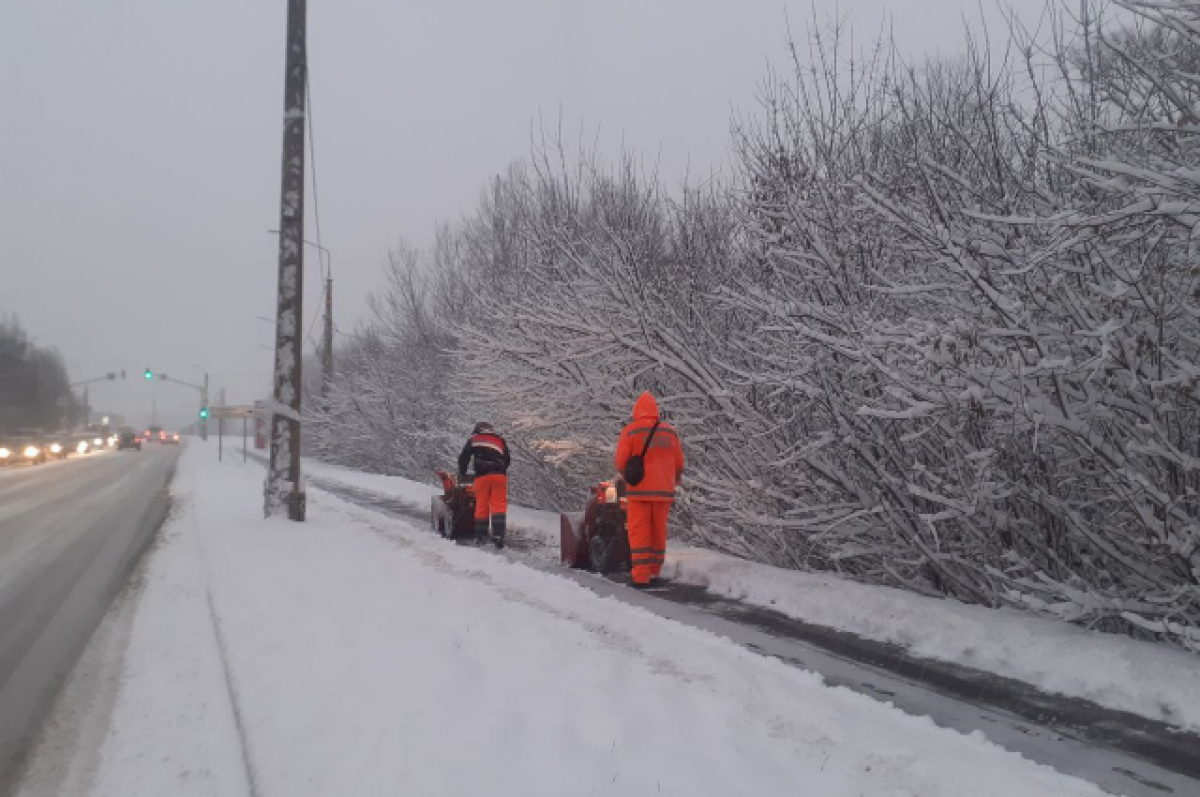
(452, 514)
(596, 539)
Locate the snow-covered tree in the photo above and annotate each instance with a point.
(1005, 274)
(939, 331)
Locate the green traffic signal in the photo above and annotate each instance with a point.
(204, 412)
(149, 374)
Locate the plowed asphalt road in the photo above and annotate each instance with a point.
(70, 532)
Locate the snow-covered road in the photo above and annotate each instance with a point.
(354, 654)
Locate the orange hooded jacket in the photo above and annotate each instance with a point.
(664, 460)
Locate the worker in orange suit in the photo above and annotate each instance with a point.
(489, 453)
(650, 498)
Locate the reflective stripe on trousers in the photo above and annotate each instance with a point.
(633, 492)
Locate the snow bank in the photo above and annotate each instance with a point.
(406, 490)
(1144, 678)
(535, 524)
(1114, 671)
(368, 657)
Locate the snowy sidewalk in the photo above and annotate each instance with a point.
(352, 655)
(1146, 678)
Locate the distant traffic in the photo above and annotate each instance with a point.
(36, 447)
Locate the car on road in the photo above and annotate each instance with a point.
(80, 441)
(127, 438)
(62, 444)
(100, 437)
(75, 442)
(154, 433)
(169, 437)
(95, 439)
(24, 445)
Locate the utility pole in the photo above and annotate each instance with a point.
(327, 338)
(87, 409)
(283, 487)
(327, 351)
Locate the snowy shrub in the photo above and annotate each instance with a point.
(988, 289)
(939, 331)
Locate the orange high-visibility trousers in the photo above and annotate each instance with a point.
(491, 499)
(491, 495)
(647, 524)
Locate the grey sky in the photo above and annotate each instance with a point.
(139, 145)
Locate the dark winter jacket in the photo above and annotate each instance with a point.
(490, 453)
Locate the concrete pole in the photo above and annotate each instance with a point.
(283, 487)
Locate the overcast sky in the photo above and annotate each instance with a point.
(140, 146)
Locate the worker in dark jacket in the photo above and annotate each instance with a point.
(489, 453)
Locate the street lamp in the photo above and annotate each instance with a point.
(109, 376)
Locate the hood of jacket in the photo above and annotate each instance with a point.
(645, 408)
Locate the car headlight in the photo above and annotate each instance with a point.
(5, 453)
(82, 447)
(97, 442)
(31, 452)
(55, 449)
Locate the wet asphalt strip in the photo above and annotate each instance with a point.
(1119, 751)
(86, 524)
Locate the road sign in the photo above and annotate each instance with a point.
(232, 411)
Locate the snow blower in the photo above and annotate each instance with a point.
(596, 539)
(452, 514)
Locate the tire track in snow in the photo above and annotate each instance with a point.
(234, 703)
(231, 693)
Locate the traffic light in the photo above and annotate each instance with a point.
(149, 374)
(204, 413)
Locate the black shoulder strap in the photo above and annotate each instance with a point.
(650, 437)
